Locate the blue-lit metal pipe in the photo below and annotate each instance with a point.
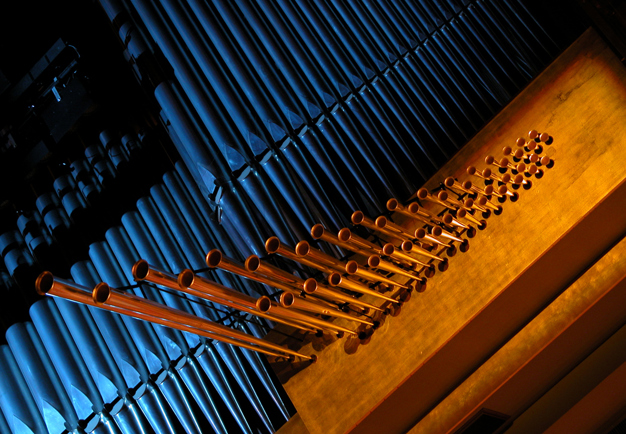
(16, 401)
(67, 362)
(52, 402)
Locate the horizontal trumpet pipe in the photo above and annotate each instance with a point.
(291, 301)
(472, 171)
(104, 295)
(486, 203)
(273, 245)
(520, 154)
(423, 194)
(423, 252)
(384, 223)
(336, 279)
(204, 288)
(436, 231)
(375, 261)
(318, 232)
(143, 271)
(466, 203)
(504, 191)
(254, 264)
(488, 174)
(490, 160)
(421, 234)
(215, 259)
(391, 251)
(353, 268)
(346, 236)
(304, 249)
(423, 213)
(358, 218)
(465, 215)
(449, 220)
(450, 182)
(265, 304)
(312, 287)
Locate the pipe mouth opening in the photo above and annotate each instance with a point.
(422, 193)
(185, 278)
(518, 179)
(407, 246)
(352, 267)
(381, 221)
(287, 299)
(420, 233)
(140, 269)
(488, 189)
(436, 231)
(388, 249)
(264, 303)
(272, 244)
(489, 159)
(392, 204)
(471, 170)
(487, 172)
(357, 217)
(449, 181)
(310, 285)
(334, 279)
(467, 185)
(344, 235)
(504, 162)
(317, 231)
(413, 208)
(213, 258)
(253, 262)
(44, 282)
(373, 261)
(468, 203)
(507, 150)
(303, 248)
(447, 219)
(506, 177)
(482, 201)
(101, 293)
(442, 195)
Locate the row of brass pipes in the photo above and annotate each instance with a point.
(405, 253)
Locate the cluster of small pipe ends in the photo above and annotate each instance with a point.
(383, 272)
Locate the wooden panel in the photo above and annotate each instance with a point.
(520, 263)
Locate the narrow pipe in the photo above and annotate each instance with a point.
(488, 174)
(288, 300)
(391, 251)
(421, 234)
(465, 215)
(353, 268)
(274, 245)
(336, 279)
(421, 212)
(375, 261)
(423, 194)
(436, 231)
(254, 264)
(318, 232)
(358, 218)
(394, 206)
(383, 223)
(449, 220)
(311, 287)
(452, 183)
(345, 235)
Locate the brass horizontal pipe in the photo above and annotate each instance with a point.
(304, 249)
(472, 171)
(358, 218)
(419, 250)
(215, 259)
(47, 284)
(491, 160)
(291, 301)
(521, 141)
(488, 174)
(449, 220)
(424, 194)
(466, 203)
(421, 234)
(265, 304)
(544, 137)
(336, 279)
(353, 268)
(544, 161)
(450, 182)
(384, 223)
(531, 169)
(465, 215)
(319, 233)
(486, 203)
(273, 245)
(103, 295)
(312, 287)
(254, 264)
(436, 231)
(520, 154)
(375, 261)
(391, 251)
(504, 191)
(423, 213)
(143, 271)
(204, 288)
(346, 236)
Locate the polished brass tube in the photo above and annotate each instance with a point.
(490, 160)
(312, 287)
(264, 304)
(472, 171)
(520, 141)
(304, 249)
(450, 182)
(383, 223)
(436, 231)
(353, 268)
(423, 194)
(254, 264)
(449, 220)
(215, 259)
(394, 206)
(519, 154)
(465, 215)
(142, 308)
(410, 247)
(204, 288)
(336, 279)
(391, 251)
(504, 191)
(467, 203)
(544, 137)
(366, 247)
(319, 233)
(423, 213)
(484, 202)
(291, 301)
(531, 169)
(375, 261)
(544, 161)
(143, 271)
(477, 206)
(421, 234)
(273, 245)
(358, 218)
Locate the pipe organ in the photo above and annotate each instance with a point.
(331, 200)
